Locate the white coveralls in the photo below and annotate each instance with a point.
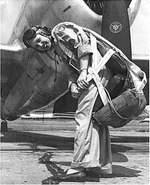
(92, 147)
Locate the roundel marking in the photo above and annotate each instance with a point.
(115, 27)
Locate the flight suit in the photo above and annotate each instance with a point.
(92, 147)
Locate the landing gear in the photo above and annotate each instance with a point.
(4, 126)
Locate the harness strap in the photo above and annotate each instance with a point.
(94, 49)
(100, 87)
(94, 70)
(103, 61)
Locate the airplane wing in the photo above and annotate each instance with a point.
(12, 68)
(27, 82)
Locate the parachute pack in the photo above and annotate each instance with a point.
(118, 108)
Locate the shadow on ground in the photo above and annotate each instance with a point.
(59, 142)
(118, 171)
(65, 143)
(56, 171)
(129, 139)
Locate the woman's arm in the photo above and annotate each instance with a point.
(82, 80)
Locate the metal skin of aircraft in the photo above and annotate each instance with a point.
(30, 80)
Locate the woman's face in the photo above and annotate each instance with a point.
(40, 42)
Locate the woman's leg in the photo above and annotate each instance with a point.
(92, 142)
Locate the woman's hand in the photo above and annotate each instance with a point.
(75, 91)
(82, 80)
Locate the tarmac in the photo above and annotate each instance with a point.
(33, 151)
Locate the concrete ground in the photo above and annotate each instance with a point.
(29, 140)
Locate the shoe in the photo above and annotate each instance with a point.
(93, 172)
(72, 176)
